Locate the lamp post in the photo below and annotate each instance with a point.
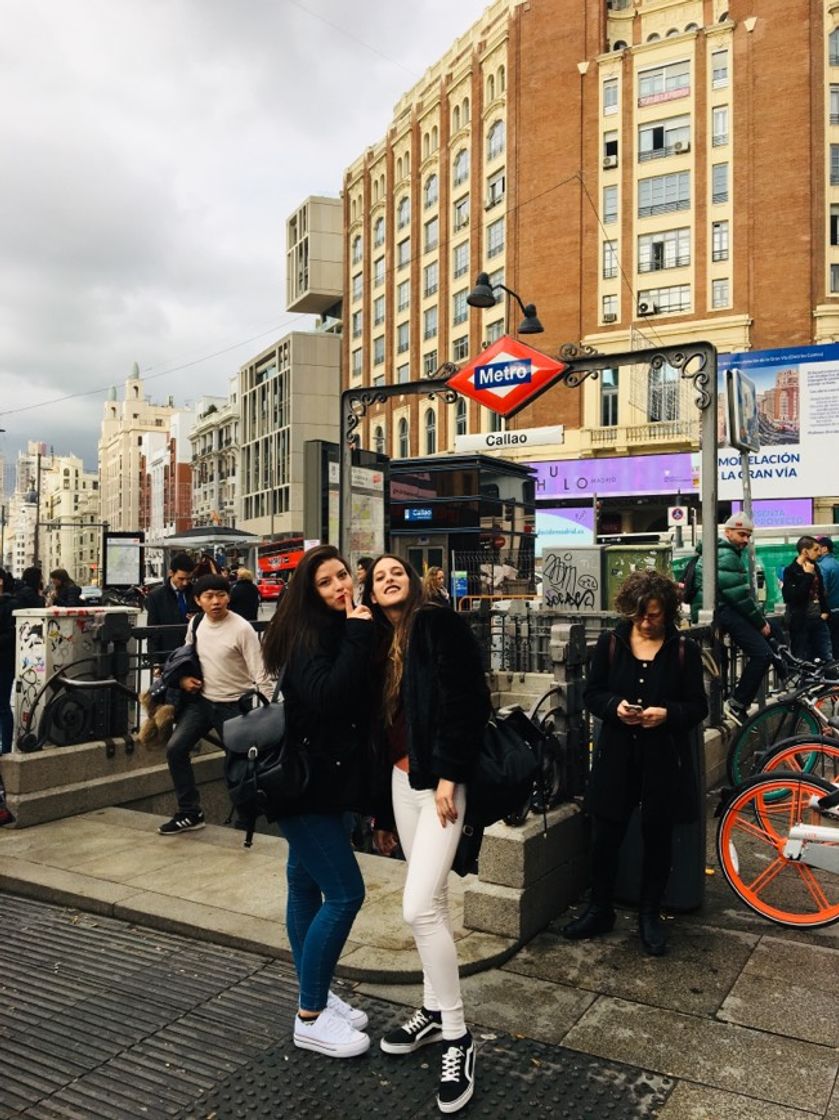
(482, 295)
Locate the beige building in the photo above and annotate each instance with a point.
(120, 451)
(71, 529)
(215, 459)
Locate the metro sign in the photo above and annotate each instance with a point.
(506, 376)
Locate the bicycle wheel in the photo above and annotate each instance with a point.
(776, 721)
(805, 754)
(751, 838)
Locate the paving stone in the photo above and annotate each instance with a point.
(720, 1055)
(695, 1102)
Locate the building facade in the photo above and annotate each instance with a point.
(70, 525)
(166, 479)
(215, 459)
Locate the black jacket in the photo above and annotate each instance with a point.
(797, 587)
(27, 597)
(163, 610)
(327, 695)
(244, 599)
(70, 595)
(631, 763)
(7, 632)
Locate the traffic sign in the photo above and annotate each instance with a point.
(677, 515)
(506, 375)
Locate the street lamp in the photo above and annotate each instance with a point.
(482, 295)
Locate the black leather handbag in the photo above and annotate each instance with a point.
(181, 662)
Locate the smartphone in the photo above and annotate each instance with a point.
(634, 707)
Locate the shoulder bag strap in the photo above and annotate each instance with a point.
(278, 687)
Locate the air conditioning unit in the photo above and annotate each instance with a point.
(647, 308)
(610, 161)
(610, 318)
(681, 146)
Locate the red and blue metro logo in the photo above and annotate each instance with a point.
(506, 376)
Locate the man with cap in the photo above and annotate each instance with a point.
(829, 568)
(738, 613)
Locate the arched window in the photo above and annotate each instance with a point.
(435, 139)
(376, 191)
(723, 17)
(403, 212)
(466, 110)
(491, 88)
(407, 163)
(379, 440)
(431, 190)
(692, 27)
(461, 166)
(403, 450)
(673, 31)
(495, 140)
(356, 247)
(382, 182)
(502, 79)
(456, 118)
(430, 432)
(620, 45)
(654, 38)
(460, 417)
(399, 168)
(379, 232)
(426, 145)
(352, 210)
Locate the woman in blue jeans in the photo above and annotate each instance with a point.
(324, 643)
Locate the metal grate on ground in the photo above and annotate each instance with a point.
(101, 1020)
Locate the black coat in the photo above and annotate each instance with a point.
(631, 763)
(163, 610)
(7, 632)
(68, 595)
(244, 599)
(797, 590)
(327, 695)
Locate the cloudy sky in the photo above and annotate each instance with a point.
(152, 150)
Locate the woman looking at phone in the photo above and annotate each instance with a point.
(645, 684)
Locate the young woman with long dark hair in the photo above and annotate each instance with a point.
(324, 644)
(435, 705)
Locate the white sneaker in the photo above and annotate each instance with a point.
(330, 1034)
(354, 1015)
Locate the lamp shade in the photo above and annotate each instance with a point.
(530, 323)
(482, 294)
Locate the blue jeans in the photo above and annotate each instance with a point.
(325, 892)
(7, 723)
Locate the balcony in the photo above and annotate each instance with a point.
(649, 435)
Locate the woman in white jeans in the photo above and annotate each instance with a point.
(434, 707)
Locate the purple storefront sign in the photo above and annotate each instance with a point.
(619, 478)
(769, 513)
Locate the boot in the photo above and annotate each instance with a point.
(651, 929)
(593, 922)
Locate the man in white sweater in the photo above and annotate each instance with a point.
(231, 664)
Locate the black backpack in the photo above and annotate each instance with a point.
(690, 584)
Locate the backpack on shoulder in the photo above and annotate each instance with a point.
(690, 584)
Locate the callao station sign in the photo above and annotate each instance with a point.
(507, 376)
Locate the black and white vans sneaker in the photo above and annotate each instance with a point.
(187, 821)
(421, 1029)
(457, 1080)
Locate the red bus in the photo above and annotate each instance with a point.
(280, 557)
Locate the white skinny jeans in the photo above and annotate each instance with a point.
(429, 850)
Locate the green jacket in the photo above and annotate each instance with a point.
(733, 586)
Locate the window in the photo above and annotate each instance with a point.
(430, 432)
(663, 138)
(834, 224)
(664, 83)
(719, 179)
(403, 295)
(378, 310)
(379, 380)
(403, 212)
(430, 281)
(662, 193)
(502, 79)
(655, 300)
(610, 259)
(356, 286)
(669, 249)
(461, 213)
(834, 164)
(356, 362)
(495, 238)
(610, 205)
(663, 394)
(357, 320)
(402, 374)
(609, 398)
(403, 253)
(429, 322)
(834, 279)
(461, 166)
(379, 232)
(432, 233)
(429, 363)
(719, 125)
(833, 46)
(460, 348)
(834, 104)
(378, 271)
(456, 118)
(495, 140)
(378, 350)
(719, 69)
(435, 138)
(431, 192)
(466, 110)
(496, 278)
(495, 188)
(379, 440)
(403, 340)
(719, 241)
(609, 308)
(610, 146)
(610, 96)
(356, 249)
(495, 330)
(460, 258)
(719, 293)
(460, 308)
(491, 88)
(460, 417)
(403, 449)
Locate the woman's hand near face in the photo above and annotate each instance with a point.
(444, 799)
(627, 714)
(653, 717)
(357, 612)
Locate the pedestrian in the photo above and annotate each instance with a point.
(434, 586)
(205, 566)
(231, 665)
(829, 568)
(323, 643)
(645, 683)
(737, 613)
(7, 660)
(361, 569)
(807, 613)
(65, 591)
(244, 595)
(29, 590)
(435, 706)
(171, 604)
